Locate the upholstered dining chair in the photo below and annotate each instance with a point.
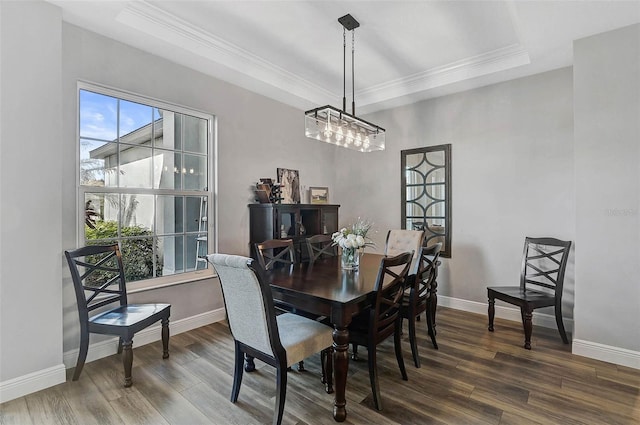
(544, 261)
(275, 252)
(279, 341)
(418, 300)
(99, 280)
(320, 246)
(402, 240)
(382, 319)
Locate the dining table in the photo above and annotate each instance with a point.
(324, 288)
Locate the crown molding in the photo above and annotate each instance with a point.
(157, 23)
(291, 88)
(475, 66)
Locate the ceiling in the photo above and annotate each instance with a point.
(405, 51)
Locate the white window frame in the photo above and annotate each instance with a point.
(212, 181)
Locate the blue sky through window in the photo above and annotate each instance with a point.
(99, 119)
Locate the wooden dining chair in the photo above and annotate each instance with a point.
(419, 300)
(320, 246)
(382, 319)
(275, 253)
(279, 341)
(402, 240)
(98, 279)
(544, 261)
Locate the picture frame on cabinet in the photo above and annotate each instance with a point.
(319, 195)
(290, 185)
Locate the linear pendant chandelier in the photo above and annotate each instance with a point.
(335, 126)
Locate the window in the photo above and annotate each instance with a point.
(145, 172)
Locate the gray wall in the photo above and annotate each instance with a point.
(607, 146)
(512, 176)
(30, 187)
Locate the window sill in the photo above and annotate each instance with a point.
(152, 284)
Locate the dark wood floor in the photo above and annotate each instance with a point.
(476, 377)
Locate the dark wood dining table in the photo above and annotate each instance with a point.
(324, 288)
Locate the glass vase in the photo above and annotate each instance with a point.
(350, 258)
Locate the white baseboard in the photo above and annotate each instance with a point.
(36, 381)
(507, 313)
(32, 382)
(108, 347)
(594, 350)
(606, 353)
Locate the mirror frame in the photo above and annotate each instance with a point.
(446, 252)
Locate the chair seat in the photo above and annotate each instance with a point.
(302, 337)
(523, 296)
(129, 315)
(406, 297)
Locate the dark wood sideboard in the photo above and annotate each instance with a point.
(291, 221)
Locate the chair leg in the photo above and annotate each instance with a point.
(563, 333)
(237, 373)
(250, 366)
(527, 316)
(165, 338)
(329, 370)
(326, 361)
(281, 392)
(430, 330)
(354, 351)
(433, 306)
(398, 349)
(373, 377)
(412, 339)
(127, 361)
(82, 355)
(492, 312)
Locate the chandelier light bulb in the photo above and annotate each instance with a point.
(349, 138)
(327, 130)
(358, 141)
(339, 135)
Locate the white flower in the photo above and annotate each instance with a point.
(353, 237)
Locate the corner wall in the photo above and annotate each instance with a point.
(607, 156)
(30, 188)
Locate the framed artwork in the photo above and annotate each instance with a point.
(319, 195)
(290, 184)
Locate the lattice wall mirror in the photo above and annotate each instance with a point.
(426, 193)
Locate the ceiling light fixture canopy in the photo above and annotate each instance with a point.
(331, 125)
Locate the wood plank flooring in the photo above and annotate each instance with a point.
(476, 377)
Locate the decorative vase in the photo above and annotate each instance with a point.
(350, 258)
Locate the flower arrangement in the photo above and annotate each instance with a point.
(350, 240)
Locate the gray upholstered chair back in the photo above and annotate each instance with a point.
(401, 240)
(244, 300)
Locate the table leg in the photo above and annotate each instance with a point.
(341, 367)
